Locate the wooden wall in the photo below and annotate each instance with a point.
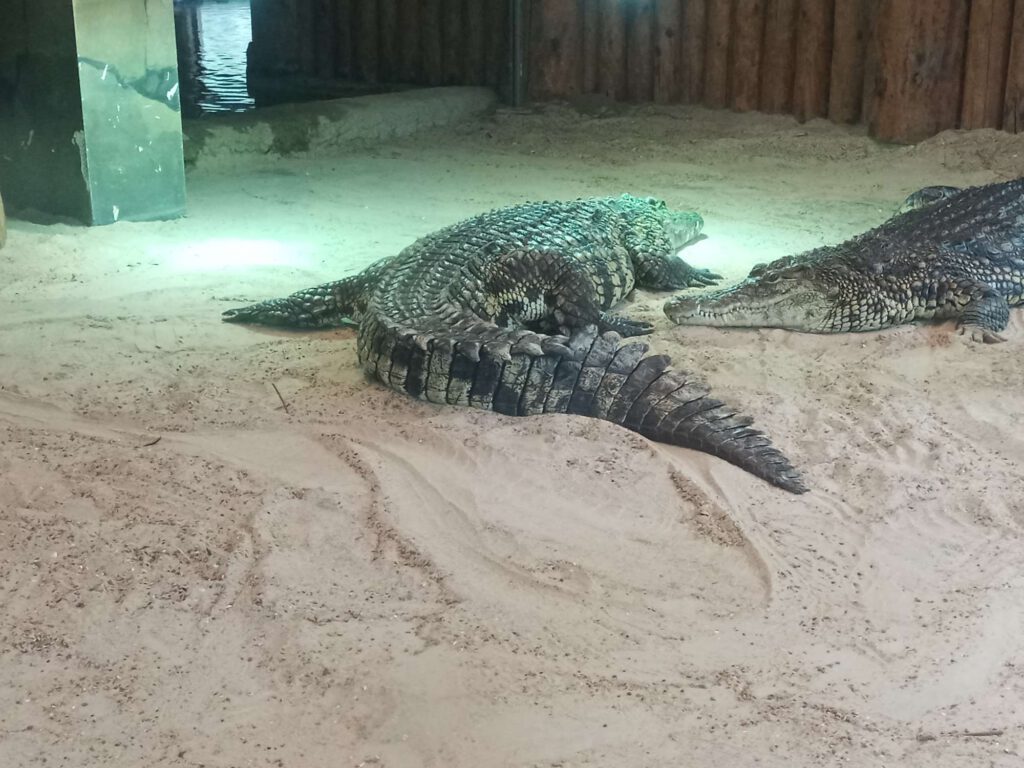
(419, 42)
(907, 68)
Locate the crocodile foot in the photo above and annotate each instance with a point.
(623, 325)
(701, 278)
(981, 334)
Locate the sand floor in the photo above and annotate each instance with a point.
(194, 575)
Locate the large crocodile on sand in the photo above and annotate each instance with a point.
(952, 254)
(509, 311)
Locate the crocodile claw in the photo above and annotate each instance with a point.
(981, 334)
(624, 326)
(701, 278)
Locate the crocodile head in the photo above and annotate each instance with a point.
(681, 227)
(793, 296)
(650, 214)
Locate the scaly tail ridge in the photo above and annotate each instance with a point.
(520, 373)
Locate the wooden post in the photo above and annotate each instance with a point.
(694, 42)
(779, 55)
(813, 62)
(988, 54)
(343, 18)
(409, 69)
(387, 25)
(366, 41)
(591, 44)
(1013, 106)
(323, 29)
(496, 15)
(746, 54)
(668, 37)
(305, 37)
(454, 45)
(716, 55)
(867, 102)
(475, 41)
(611, 65)
(846, 89)
(430, 41)
(918, 87)
(554, 48)
(640, 51)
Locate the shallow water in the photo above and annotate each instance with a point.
(212, 63)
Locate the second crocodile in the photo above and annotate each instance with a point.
(955, 254)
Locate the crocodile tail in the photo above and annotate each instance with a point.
(522, 374)
(621, 383)
(322, 306)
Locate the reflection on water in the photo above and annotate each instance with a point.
(213, 37)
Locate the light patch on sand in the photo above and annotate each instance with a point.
(234, 253)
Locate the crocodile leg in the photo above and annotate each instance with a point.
(545, 285)
(668, 272)
(985, 315)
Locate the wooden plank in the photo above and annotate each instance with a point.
(694, 42)
(305, 36)
(987, 57)
(867, 103)
(846, 86)
(475, 39)
(591, 44)
(716, 55)
(640, 50)
(366, 41)
(454, 48)
(496, 15)
(387, 29)
(748, 29)
(343, 17)
(668, 31)
(323, 30)
(918, 87)
(555, 46)
(430, 41)
(409, 68)
(1013, 105)
(779, 55)
(813, 62)
(611, 66)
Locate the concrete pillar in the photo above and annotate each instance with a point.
(90, 121)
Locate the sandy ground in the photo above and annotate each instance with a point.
(193, 575)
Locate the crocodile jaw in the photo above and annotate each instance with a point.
(749, 305)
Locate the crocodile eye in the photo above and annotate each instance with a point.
(772, 278)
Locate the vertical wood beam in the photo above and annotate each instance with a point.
(987, 58)
(918, 87)
(748, 28)
(813, 63)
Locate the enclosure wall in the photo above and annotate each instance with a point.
(908, 68)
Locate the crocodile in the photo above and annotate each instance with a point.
(510, 311)
(952, 254)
